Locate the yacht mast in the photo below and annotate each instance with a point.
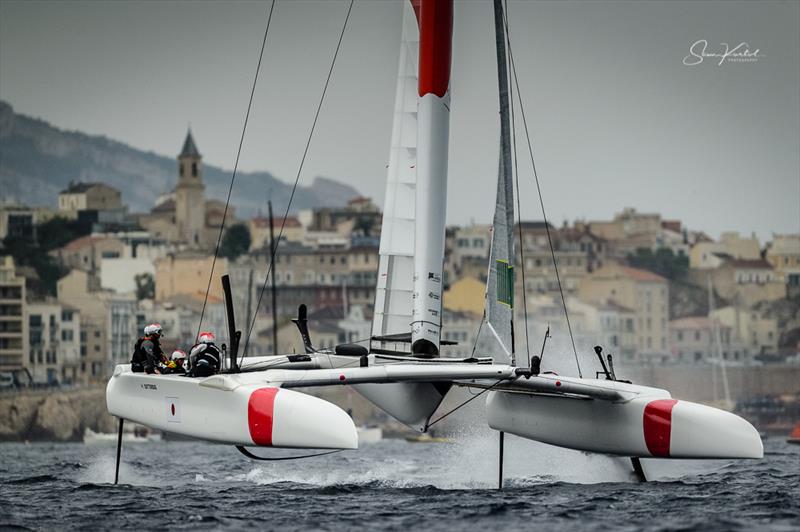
(435, 19)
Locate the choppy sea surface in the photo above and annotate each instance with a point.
(390, 485)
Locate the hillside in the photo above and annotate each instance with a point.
(38, 160)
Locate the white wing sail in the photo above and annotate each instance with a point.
(393, 295)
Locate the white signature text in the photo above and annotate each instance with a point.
(741, 53)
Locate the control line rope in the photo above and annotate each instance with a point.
(438, 419)
(297, 177)
(235, 168)
(541, 200)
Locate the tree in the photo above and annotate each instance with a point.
(58, 231)
(235, 242)
(145, 286)
(664, 262)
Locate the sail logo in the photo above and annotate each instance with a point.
(173, 407)
(741, 53)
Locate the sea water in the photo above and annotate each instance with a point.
(391, 485)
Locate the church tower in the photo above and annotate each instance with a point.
(190, 197)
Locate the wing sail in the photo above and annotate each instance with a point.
(393, 295)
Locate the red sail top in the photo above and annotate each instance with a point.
(435, 18)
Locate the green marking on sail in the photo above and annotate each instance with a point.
(505, 283)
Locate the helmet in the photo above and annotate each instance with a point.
(206, 337)
(178, 354)
(153, 328)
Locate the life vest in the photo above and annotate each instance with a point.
(204, 360)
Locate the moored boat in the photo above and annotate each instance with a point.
(794, 437)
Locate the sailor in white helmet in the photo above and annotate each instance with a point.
(178, 363)
(147, 354)
(205, 357)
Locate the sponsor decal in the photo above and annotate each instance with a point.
(149, 387)
(435, 277)
(433, 295)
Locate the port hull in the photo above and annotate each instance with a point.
(228, 410)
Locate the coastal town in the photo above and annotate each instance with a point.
(79, 281)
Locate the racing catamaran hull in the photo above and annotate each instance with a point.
(244, 412)
(649, 426)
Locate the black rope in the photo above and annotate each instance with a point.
(541, 200)
(297, 177)
(252, 456)
(235, 168)
(432, 423)
(519, 207)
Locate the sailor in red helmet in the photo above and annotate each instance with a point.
(205, 357)
(147, 354)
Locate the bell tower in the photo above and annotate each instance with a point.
(190, 198)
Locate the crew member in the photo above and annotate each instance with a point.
(180, 360)
(205, 357)
(147, 355)
(177, 363)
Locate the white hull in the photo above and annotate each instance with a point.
(240, 411)
(650, 424)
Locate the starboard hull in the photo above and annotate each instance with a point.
(646, 427)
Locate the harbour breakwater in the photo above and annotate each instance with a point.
(53, 415)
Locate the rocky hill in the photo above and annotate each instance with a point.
(37, 160)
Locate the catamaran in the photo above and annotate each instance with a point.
(258, 402)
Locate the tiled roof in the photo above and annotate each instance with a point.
(79, 188)
(642, 275)
(262, 221)
(81, 242)
(751, 264)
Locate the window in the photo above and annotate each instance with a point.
(697, 335)
(680, 336)
(194, 169)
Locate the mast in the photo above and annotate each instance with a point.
(435, 18)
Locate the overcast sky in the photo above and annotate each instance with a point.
(616, 117)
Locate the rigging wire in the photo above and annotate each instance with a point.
(541, 200)
(235, 168)
(297, 178)
(438, 419)
(516, 182)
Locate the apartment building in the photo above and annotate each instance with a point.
(646, 293)
(13, 326)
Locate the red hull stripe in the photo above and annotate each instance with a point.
(260, 410)
(657, 425)
(435, 43)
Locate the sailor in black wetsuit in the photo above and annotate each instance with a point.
(147, 355)
(205, 357)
